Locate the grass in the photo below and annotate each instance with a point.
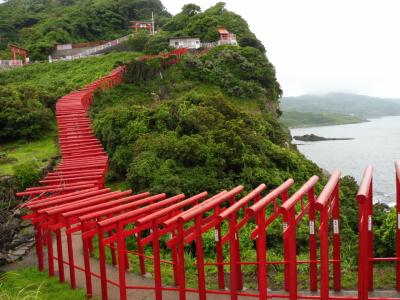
(30, 284)
(295, 119)
(65, 75)
(23, 151)
(118, 185)
(384, 273)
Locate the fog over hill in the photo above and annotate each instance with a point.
(342, 103)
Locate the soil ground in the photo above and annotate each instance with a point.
(132, 279)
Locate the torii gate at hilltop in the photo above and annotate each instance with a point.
(19, 51)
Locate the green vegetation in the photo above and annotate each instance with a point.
(39, 25)
(21, 152)
(294, 119)
(30, 284)
(23, 115)
(27, 95)
(192, 22)
(186, 133)
(189, 136)
(57, 79)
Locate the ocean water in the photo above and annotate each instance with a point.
(376, 142)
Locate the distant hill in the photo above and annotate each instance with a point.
(342, 103)
(295, 119)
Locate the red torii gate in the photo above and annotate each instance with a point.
(138, 25)
(19, 51)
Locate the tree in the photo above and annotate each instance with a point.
(138, 41)
(191, 9)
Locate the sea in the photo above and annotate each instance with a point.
(375, 143)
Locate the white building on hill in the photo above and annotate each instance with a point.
(185, 42)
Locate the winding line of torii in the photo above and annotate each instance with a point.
(73, 200)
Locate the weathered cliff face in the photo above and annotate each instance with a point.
(273, 107)
(16, 235)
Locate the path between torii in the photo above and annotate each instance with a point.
(132, 279)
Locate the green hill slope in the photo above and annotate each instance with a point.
(27, 98)
(197, 131)
(39, 24)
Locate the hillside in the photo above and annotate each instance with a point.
(27, 98)
(187, 132)
(37, 25)
(295, 119)
(341, 103)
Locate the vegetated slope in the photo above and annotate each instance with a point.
(350, 104)
(189, 133)
(295, 119)
(39, 24)
(27, 98)
(27, 95)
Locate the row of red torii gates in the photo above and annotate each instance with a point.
(73, 200)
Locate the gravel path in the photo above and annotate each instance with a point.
(112, 272)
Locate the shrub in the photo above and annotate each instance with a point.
(27, 174)
(199, 142)
(22, 115)
(157, 43)
(138, 42)
(139, 71)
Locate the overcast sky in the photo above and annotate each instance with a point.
(320, 46)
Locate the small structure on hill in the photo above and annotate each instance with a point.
(19, 51)
(138, 26)
(185, 42)
(144, 25)
(226, 37)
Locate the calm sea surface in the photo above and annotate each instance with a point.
(376, 142)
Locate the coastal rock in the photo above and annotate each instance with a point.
(315, 138)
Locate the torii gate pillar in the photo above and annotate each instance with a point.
(18, 50)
